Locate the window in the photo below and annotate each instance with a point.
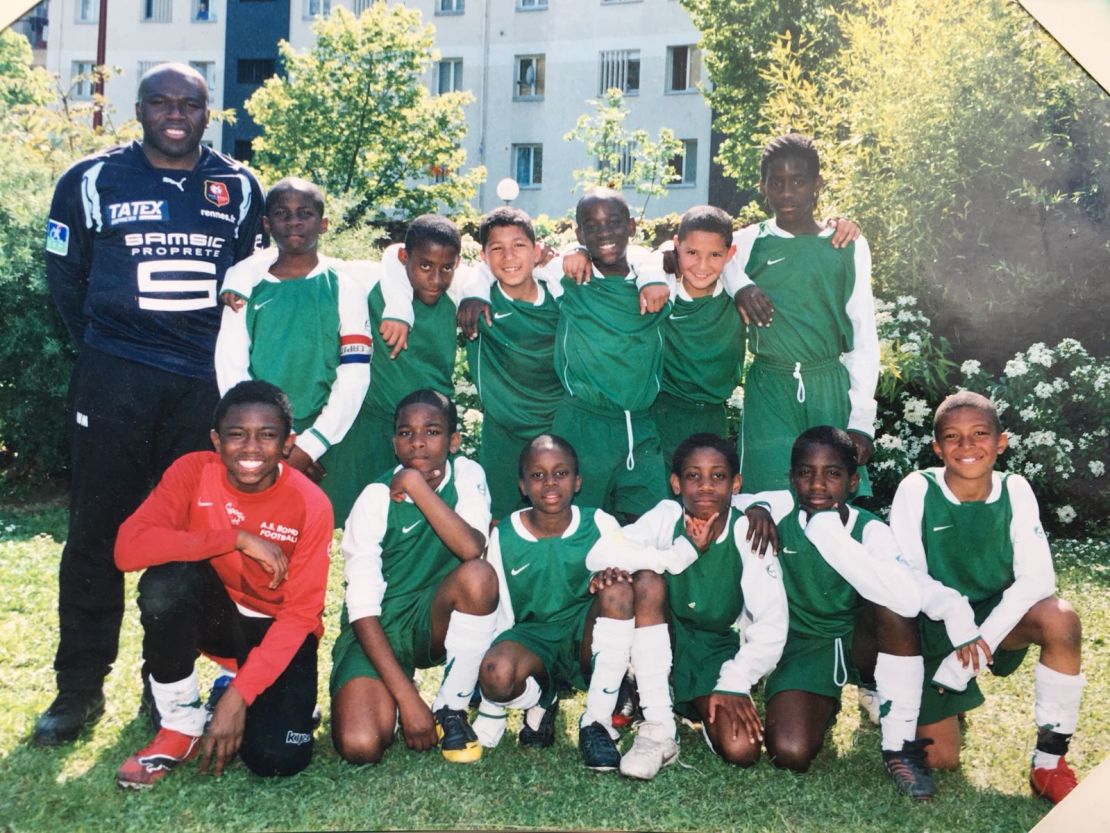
(685, 164)
(88, 11)
(530, 5)
(528, 165)
(208, 70)
(450, 6)
(620, 68)
(450, 76)
(359, 6)
(528, 76)
(253, 70)
(83, 89)
(319, 8)
(623, 164)
(204, 11)
(683, 68)
(156, 11)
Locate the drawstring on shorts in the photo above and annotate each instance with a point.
(630, 460)
(801, 394)
(840, 667)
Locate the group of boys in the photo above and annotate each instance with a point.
(606, 352)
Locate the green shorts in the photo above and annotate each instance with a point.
(600, 438)
(409, 631)
(365, 453)
(698, 657)
(559, 647)
(813, 664)
(773, 417)
(499, 456)
(676, 419)
(936, 706)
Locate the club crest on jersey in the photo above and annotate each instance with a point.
(216, 193)
(137, 211)
(57, 238)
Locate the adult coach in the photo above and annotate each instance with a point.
(137, 243)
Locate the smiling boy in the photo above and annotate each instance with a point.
(235, 548)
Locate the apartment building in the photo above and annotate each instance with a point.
(531, 66)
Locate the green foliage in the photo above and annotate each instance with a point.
(352, 115)
(973, 153)
(625, 158)
(43, 131)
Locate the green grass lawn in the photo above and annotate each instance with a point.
(73, 788)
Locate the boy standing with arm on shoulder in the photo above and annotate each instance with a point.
(815, 343)
(304, 329)
(967, 528)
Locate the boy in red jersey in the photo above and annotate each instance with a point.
(235, 547)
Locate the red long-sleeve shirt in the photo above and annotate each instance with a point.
(194, 514)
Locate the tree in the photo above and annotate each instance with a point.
(352, 115)
(625, 158)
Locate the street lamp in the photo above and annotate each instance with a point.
(508, 190)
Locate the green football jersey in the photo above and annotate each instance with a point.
(809, 282)
(706, 595)
(606, 353)
(547, 578)
(822, 603)
(427, 363)
(705, 349)
(512, 363)
(302, 360)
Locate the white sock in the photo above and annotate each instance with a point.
(489, 723)
(612, 643)
(179, 705)
(468, 638)
(1056, 709)
(899, 681)
(651, 658)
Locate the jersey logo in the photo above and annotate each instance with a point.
(674, 317)
(942, 528)
(259, 306)
(203, 503)
(57, 238)
(405, 530)
(137, 211)
(216, 193)
(788, 551)
(692, 605)
(771, 569)
(516, 571)
(179, 184)
(499, 315)
(775, 260)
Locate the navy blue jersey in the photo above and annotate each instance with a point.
(136, 255)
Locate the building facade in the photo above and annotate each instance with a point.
(531, 65)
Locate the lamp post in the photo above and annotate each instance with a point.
(507, 190)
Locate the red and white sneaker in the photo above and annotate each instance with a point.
(167, 750)
(1053, 784)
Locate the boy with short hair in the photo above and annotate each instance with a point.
(609, 357)
(305, 329)
(968, 528)
(815, 343)
(704, 335)
(235, 548)
(511, 360)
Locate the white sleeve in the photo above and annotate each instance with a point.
(649, 268)
(1034, 576)
(551, 274)
(365, 273)
(765, 603)
(396, 288)
(505, 617)
(471, 281)
(244, 276)
(233, 350)
(871, 567)
(862, 361)
(654, 548)
(352, 374)
(938, 601)
(733, 277)
(470, 484)
(779, 503)
(362, 552)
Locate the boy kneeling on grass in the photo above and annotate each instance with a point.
(235, 547)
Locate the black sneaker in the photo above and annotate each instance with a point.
(544, 736)
(457, 741)
(599, 751)
(69, 714)
(908, 770)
